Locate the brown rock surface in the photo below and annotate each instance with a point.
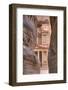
(52, 55)
(30, 61)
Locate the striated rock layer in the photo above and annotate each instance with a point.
(30, 61)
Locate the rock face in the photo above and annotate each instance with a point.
(52, 55)
(30, 62)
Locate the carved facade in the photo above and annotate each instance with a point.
(43, 42)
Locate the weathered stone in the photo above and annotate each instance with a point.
(30, 61)
(52, 55)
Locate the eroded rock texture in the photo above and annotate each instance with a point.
(30, 62)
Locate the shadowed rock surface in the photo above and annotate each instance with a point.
(30, 62)
(52, 55)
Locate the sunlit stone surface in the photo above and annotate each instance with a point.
(43, 42)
